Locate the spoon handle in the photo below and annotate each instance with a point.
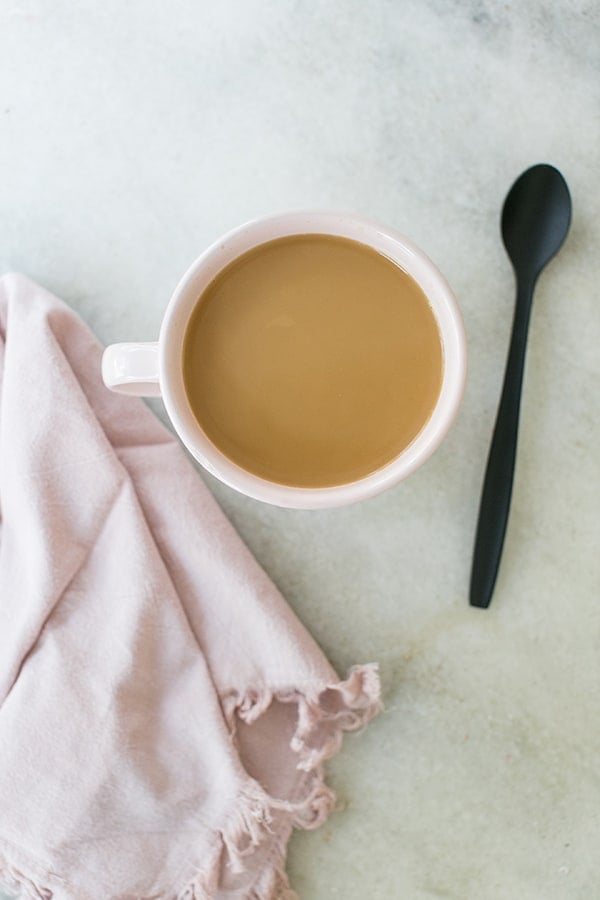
(497, 484)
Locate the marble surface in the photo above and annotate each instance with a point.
(132, 135)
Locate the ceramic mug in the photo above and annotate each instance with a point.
(155, 369)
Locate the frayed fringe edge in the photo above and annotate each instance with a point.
(345, 706)
(271, 883)
(322, 719)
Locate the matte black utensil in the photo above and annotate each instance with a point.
(535, 221)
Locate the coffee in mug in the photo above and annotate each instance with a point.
(312, 360)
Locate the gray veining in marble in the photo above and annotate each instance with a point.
(132, 135)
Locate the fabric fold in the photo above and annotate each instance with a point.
(164, 716)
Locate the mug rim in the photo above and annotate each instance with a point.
(251, 234)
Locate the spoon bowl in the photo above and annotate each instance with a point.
(535, 219)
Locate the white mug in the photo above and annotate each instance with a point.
(155, 369)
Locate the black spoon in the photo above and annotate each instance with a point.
(535, 221)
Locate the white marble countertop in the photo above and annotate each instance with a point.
(132, 135)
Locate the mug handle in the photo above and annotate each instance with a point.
(132, 369)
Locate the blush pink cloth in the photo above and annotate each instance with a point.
(163, 714)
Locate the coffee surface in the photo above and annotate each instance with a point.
(312, 360)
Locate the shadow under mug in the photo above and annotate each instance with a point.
(155, 369)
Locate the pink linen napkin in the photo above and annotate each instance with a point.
(163, 714)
